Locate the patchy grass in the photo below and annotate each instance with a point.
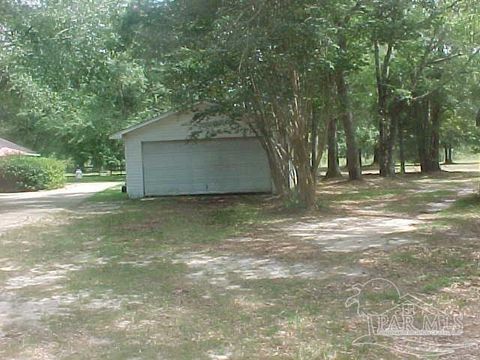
(463, 216)
(228, 277)
(87, 178)
(234, 215)
(114, 194)
(436, 283)
(466, 206)
(126, 287)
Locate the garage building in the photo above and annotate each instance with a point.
(162, 159)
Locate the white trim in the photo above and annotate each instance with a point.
(119, 135)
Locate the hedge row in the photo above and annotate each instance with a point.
(27, 173)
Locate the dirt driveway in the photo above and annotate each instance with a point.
(239, 277)
(18, 209)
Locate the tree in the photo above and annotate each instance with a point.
(333, 170)
(264, 65)
(74, 82)
(418, 50)
(392, 23)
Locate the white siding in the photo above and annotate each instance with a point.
(134, 167)
(205, 167)
(174, 127)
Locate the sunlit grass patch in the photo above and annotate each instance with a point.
(466, 205)
(433, 284)
(87, 178)
(110, 195)
(463, 215)
(366, 194)
(414, 201)
(407, 257)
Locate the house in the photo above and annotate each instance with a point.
(162, 159)
(10, 148)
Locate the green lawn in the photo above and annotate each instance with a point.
(229, 277)
(95, 177)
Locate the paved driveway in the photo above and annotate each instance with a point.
(18, 209)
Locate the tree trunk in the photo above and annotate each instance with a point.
(448, 154)
(306, 187)
(420, 111)
(306, 179)
(387, 124)
(388, 128)
(401, 146)
(375, 154)
(435, 116)
(338, 154)
(382, 146)
(333, 168)
(428, 114)
(391, 140)
(290, 132)
(278, 167)
(354, 170)
(314, 143)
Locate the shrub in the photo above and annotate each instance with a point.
(26, 173)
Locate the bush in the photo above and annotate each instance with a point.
(26, 173)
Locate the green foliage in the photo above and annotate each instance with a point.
(457, 131)
(26, 173)
(72, 72)
(66, 80)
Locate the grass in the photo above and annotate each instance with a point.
(129, 275)
(126, 241)
(95, 177)
(174, 277)
(469, 205)
(436, 283)
(113, 194)
(463, 216)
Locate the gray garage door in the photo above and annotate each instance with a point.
(205, 166)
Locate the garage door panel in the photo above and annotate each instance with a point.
(208, 166)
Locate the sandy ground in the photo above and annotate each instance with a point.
(29, 294)
(362, 226)
(19, 209)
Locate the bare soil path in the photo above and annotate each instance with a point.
(19, 209)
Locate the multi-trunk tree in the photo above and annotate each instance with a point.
(268, 65)
(419, 52)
